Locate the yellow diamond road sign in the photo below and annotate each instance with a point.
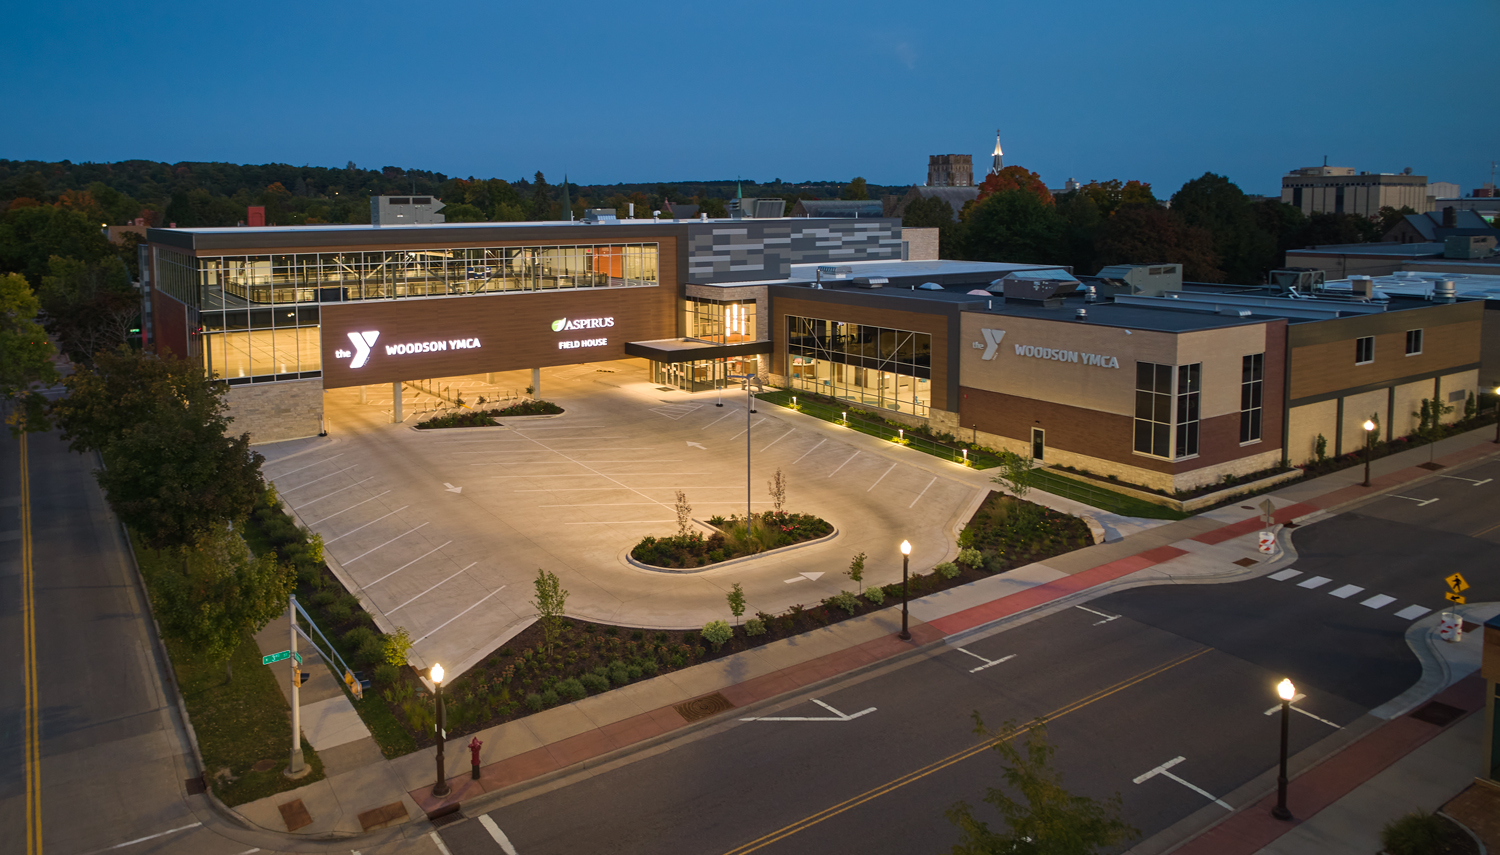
(1455, 598)
(1457, 583)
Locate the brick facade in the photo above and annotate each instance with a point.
(271, 412)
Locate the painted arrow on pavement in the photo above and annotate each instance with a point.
(696, 445)
(837, 716)
(452, 489)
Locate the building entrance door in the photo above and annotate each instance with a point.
(1038, 444)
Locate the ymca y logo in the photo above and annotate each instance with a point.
(991, 342)
(363, 342)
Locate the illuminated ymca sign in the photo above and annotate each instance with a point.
(562, 324)
(364, 345)
(991, 346)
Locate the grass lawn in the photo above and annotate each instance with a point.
(1101, 497)
(238, 722)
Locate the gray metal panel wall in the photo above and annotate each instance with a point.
(750, 250)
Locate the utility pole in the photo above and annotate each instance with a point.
(297, 767)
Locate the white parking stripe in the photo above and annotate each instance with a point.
(763, 420)
(308, 466)
(1314, 582)
(1345, 592)
(1285, 574)
(881, 478)
(334, 493)
(316, 480)
(1412, 612)
(779, 439)
(367, 525)
(809, 451)
(348, 509)
(921, 494)
(404, 566)
(459, 615)
(1379, 601)
(495, 832)
(428, 591)
(382, 546)
(842, 465)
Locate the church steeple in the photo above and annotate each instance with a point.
(567, 206)
(999, 157)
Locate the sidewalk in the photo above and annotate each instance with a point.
(1217, 546)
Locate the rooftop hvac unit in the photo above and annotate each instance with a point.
(869, 282)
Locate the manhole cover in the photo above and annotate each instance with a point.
(1438, 713)
(701, 708)
(263, 766)
(1247, 562)
(195, 786)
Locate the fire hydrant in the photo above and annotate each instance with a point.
(474, 746)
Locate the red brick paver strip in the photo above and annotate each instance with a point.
(1253, 828)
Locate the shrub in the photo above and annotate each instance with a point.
(755, 626)
(634, 672)
(371, 649)
(970, 557)
(356, 637)
(594, 683)
(947, 570)
(572, 690)
(534, 702)
(846, 601)
(649, 668)
(387, 674)
(875, 595)
(1416, 833)
(618, 673)
(324, 598)
(550, 698)
(339, 611)
(716, 632)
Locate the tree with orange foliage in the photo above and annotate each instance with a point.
(1015, 178)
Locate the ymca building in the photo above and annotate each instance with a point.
(1130, 373)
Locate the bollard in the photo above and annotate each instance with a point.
(474, 746)
(1451, 627)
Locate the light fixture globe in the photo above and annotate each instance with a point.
(1369, 425)
(905, 547)
(1285, 690)
(437, 673)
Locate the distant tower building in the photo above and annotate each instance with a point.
(950, 170)
(999, 156)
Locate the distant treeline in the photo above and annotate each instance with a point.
(217, 194)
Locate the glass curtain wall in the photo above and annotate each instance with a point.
(721, 322)
(872, 366)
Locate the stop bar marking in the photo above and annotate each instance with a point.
(1295, 708)
(1162, 770)
(987, 662)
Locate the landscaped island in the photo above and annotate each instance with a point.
(489, 418)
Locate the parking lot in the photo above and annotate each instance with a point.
(442, 532)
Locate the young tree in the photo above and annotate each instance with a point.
(684, 514)
(736, 598)
(1016, 473)
(856, 190)
(856, 571)
(1041, 817)
(25, 356)
(777, 488)
(220, 593)
(551, 599)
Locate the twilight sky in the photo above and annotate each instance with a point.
(1156, 90)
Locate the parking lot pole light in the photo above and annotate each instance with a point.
(440, 788)
(1286, 691)
(1369, 427)
(748, 410)
(905, 563)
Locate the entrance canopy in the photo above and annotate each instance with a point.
(673, 350)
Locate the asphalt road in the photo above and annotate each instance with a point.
(1183, 671)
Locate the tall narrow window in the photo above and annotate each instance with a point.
(1252, 377)
(1413, 342)
(1153, 409)
(1189, 384)
(1364, 350)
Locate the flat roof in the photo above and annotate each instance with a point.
(1382, 248)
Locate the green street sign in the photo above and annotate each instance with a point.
(277, 657)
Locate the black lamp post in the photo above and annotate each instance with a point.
(1286, 691)
(905, 563)
(1497, 414)
(1369, 427)
(441, 788)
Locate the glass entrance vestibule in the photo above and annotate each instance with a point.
(704, 375)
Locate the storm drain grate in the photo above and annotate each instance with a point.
(701, 708)
(446, 816)
(1438, 713)
(1247, 562)
(195, 786)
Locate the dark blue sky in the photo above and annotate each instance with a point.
(619, 91)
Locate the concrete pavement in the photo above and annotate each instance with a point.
(604, 729)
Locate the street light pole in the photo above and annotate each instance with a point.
(1286, 691)
(1497, 415)
(440, 788)
(905, 561)
(749, 409)
(1369, 427)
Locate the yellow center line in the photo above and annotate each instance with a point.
(28, 656)
(1485, 530)
(910, 777)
